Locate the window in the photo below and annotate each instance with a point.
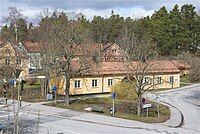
(159, 80)
(114, 50)
(94, 83)
(110, 82)
(77, 84)
(18, 61)
(106, 58)
(7, 61)
(116, 58)
(7, 52)
(146, 80)
(171, 79)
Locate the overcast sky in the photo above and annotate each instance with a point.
(132, 8)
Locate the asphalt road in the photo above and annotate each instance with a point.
(62, 121)
(187, 100)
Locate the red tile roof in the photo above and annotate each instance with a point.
(117, 68)
(182, 65)
(33, 46)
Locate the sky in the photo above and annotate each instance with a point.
(31, 9)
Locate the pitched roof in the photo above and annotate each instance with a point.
(117, 67)
(32, 46)
(182, 65)
(15, 47)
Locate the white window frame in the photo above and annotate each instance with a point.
(77, 84)
(7, 61)
(18, 61)
(159, 80)
(106, 58)
(110, 82)
(171, 79)
(114, 50)
(94, 83)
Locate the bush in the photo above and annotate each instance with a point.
(31, 81)
(125, 90)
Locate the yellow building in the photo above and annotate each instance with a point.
(13, 59)
(100, 79)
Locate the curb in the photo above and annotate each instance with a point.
(178, 89)
(182, 117)
(99, 123)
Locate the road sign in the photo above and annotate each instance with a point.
(41, 77)
(146, 105)
(114, 95)
(11, 82)
(143, 100)
(54, 87)
(49, 97)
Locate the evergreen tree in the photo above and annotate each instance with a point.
(188, 15)
(22, 29)
(114, 24)
(160, 31)
(16, 29)
(98, 29)
(176, 30)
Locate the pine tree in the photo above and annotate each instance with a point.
(160, 30)
(189, 16)
(176, 30)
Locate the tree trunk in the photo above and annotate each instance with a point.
(138, 90)
(139, 106)
(67, 86)
(46, 86)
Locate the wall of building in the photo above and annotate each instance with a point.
(86, 85)
(103, 87)
(165, 81)
(8, 52)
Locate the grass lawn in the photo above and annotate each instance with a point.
(125, 109)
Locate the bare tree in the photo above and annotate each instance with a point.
(65, 48)
(194, 65)
(74, 44)
(139, 53)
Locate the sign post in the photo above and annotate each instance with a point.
(1, 128)
(54, 88)
(114, 97)
(157, 98)
(157, 103)
(147, 106)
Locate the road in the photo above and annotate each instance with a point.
(63, 121)
(187, 100)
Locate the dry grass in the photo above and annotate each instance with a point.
(124, 110)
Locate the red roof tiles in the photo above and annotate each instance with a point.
(117, 68)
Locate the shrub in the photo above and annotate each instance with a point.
(125, 90)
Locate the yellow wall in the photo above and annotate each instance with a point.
(102, 83)
(165, 81)
(86, 85)
(13, 59)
